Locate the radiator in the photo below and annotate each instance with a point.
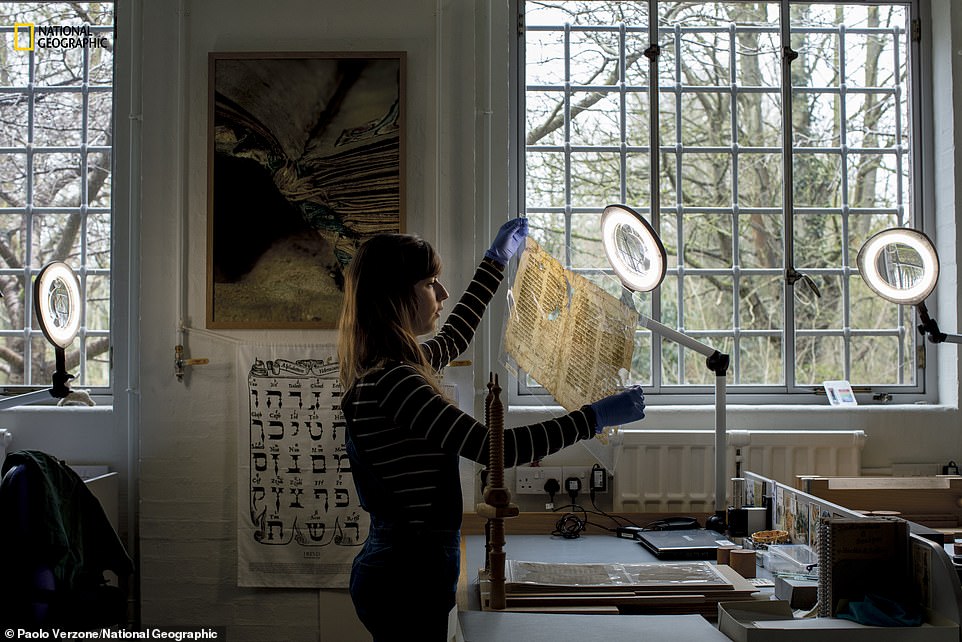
(673, 471)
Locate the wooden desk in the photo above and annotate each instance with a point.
(494, 626)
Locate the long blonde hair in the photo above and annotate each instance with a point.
(380, 306)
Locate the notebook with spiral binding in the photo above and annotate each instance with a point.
(861, 556)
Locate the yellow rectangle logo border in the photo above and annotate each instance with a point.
(16, 36)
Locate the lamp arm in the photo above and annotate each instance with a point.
(677, 337)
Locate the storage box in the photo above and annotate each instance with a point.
(772, 621)
(800, 594)
(790, 558)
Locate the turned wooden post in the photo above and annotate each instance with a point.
(497, 504)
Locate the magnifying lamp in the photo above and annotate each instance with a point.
(901, 266)
(637, 256)
(56, 299)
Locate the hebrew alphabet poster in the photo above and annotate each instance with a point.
(299, 521)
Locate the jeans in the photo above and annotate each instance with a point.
(404, 581)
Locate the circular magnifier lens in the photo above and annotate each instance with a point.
(57, 303)
(900, 265)
(633, 249)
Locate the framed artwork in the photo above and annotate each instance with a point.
(305, 161)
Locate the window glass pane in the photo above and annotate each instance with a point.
(591, 60)
(97, 363)
(871, 312)
(98, 302)
(43, 362)
(818, 359)
(13, 176)
(759, 180)
(820, 312)
(817, 179)
(873, 181)
(595, 119)
(638, 185)
(760, 361)
(708, 302)
(549, 231)
(98, 241)
(708, 240)
(881, 360)
(637, 131)
(544, 55)
(759, 120)
(706, 179)
(59, 119)
(544, 126)
(595, 179)
(760, 240)
(545, 180)
(586, 248)
(641, 366)
(818, 240)
(98, 180)
(760, 303)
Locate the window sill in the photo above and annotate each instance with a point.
(768, 417)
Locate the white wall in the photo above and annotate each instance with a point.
(188, 430)
(184, 434)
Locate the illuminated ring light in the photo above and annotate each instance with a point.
(868, 260)
(633, 248)
(56, 296)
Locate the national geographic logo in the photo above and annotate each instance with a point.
(28, 37)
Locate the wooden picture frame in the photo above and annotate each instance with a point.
(305, 161)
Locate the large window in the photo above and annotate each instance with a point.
(762, 230)
(56, 94)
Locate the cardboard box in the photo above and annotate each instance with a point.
(772, 621)
(800, 594)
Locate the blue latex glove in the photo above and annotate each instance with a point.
(620, 408)
(509, 238)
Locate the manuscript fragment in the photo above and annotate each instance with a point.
(571, 336)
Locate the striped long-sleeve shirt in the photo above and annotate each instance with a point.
(404, 439)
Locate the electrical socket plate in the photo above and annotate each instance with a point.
(530, 480)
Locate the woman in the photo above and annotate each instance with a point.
(404, 437)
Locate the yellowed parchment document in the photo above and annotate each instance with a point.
(574, 338)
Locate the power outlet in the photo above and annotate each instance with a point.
(591, 478)
(530, 480)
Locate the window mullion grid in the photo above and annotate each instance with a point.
(848, 209)
(567, 143)
(736, 272)
(654, 169)
(623, 111)
(28, 225)
(788, 210)
(846, 203)
(84, 202)
(900, 206)
(679, 191)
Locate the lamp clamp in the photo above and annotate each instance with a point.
(718, 363)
